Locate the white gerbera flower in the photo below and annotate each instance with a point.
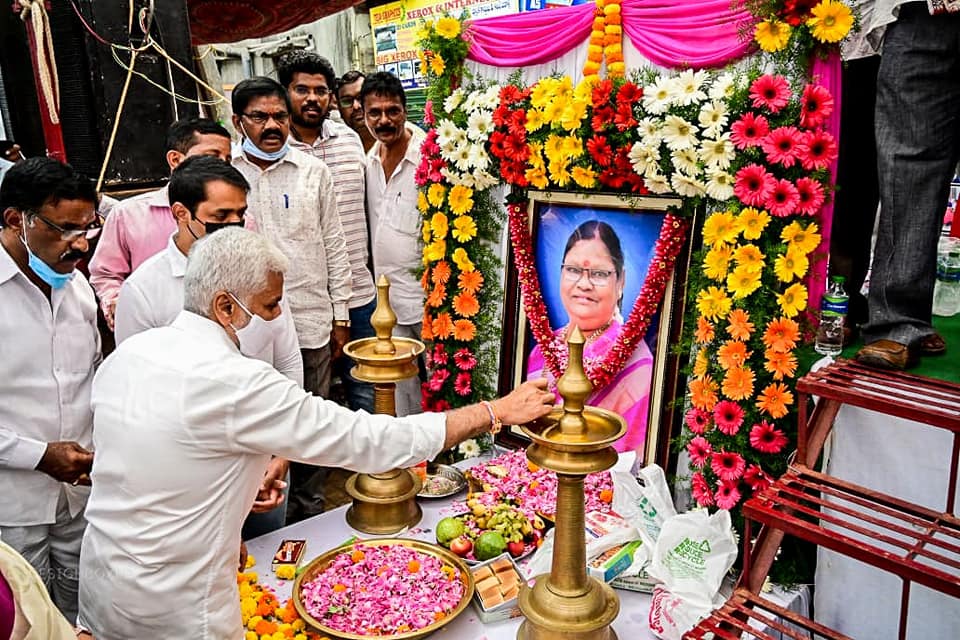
(461, 157)
(658, 96)
(455, 177)
(478, 157)
(717, 153)
(688, 87)
(644, 159)
(656, 183)
(484, 180)
(685, 160)
(723, 87)
(686, 186)
(678, 133)
(453, 101)
(649, 130)
(720, 185)
(713, 117)
(446, 131)
(469, 448)
(479, 125)
(491, 97)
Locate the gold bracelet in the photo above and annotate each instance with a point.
(495, 423)
(341, 323)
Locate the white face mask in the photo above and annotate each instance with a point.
(257, 335)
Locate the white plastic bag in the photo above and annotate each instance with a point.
(671, 616)
(647, 504)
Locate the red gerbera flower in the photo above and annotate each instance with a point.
(624, 116)
(496, 144)
(770, 92)
(796, 12)
(699, 451)
(753, 185)
(728, 416)
(783, 199)
(766, 438)
(511, 94)
(697, 420)
(500, 115)
(728, 465)
(749, 130)
(464, 359)
(728, 495)
(600, 150)
(514, 173)
(515, 148)
(700, 489)
(781, 145)
(817, 150)
(601, 93)
(811, 196)
(602, 118)
(629, 93)
(815, 106)
(756, 479)
(461, 384)
(517, 123)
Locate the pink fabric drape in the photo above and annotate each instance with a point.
(691, 33)
(827, 73)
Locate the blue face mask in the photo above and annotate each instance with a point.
(45, 272)
(255, 151)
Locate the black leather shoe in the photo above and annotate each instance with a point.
(932, 345)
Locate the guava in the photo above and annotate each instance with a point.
(448, 529)
(489, 545)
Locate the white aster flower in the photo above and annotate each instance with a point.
(453, 101)
(479, 125)
(649, 130)
(717, 153)
(658, 96)
(688, 87)
(685, 160)
(713, 117)
(687, 187)
(678, 133)
(469, 448)
(720, 185)
(656, 182)
(644, 159)
(723, 87)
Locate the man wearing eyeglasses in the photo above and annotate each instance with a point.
(292, 202)
(348, 101)
(50, 350)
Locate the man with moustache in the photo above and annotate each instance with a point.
(292, 203)
(50, 350)
(394, 217)
(351, 109)
(309, 79)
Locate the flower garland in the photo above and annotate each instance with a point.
(262, 614)
(606, 41)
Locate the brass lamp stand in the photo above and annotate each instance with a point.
(384, 502)
(574, 441)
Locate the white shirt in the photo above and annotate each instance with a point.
(339, 147)
(153, 297)
(184, 429)
(395, 229)
(49, 350)
(292, 203)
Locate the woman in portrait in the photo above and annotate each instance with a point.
(591, 290)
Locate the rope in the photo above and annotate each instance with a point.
(34, 11)
(116, 118)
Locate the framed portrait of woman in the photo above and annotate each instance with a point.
(592, 255)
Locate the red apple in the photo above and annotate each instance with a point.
(516, 549)
(461, 546)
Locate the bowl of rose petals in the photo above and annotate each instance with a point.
(392, 587)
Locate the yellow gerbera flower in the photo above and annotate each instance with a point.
(553, 148)
(749, 256)
(752, 222)
(438, 224)
(716, 264)
(536, 155)
(701, 363)
(434, 251)
(460, 199)
(422, 203)
(448, 27)
(553, 111)
(806, 239)
(462, 260)
(720, 228)
(792, 264)
(435, 195)
(572, 146)
(586, 178)
(464, 228)
(772, 35)
(573, 115)
(831, 21)
(743, 281)
(535, 120)
(537, 176)
(793, 300)
(560, 173)
(425, 232)
(424, 31)
(437, 65)
(713, 303)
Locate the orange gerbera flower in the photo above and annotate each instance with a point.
(700, 363)
(425, 279)
(740, 326)
(738, 383)
(732, 354)
(703, 393)
(470, 281)
(781, 334)
(704, 332)
(775, 399)
(465, 304)
(442, 326)
(780, 364)
(464, 330)
(441, 272)
(426, 328)
(437, 296)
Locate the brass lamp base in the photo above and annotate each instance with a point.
(554, 616)
(384, 502)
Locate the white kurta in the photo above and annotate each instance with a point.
(153, 297)
(184, 427)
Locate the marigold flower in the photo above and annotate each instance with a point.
(464, 228)
(703, 393)
(738, 383)
(782, 364)
(781, 335)
(793, 300)
(775, 399)
(704, 331)
(465, 304)
(464, 330)
(470, 281)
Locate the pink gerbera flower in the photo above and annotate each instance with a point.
(728, 465)
(699, 450)
(770, 92)
(728, 416)
(782, 145)
(728, 495)
(439, 354)
(437, 378)
(748, 131)
(811, 196)
(815, 106)
(428, 116)
(464, 359)
(697, 420)
(700, 489)
(766, 438)
(461, 384)
(756, 479)
(783, 199)
(817, 150)
(753, 185)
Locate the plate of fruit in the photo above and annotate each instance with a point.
(486, 531)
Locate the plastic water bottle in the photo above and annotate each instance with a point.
(946, 292)
(833, 310)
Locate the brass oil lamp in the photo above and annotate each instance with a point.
(384, 502)
(574, 441)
